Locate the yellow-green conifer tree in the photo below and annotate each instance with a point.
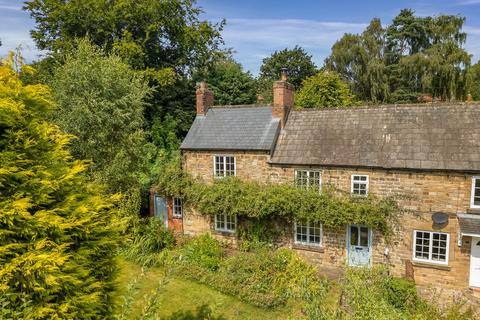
(57, 242)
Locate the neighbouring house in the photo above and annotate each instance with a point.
(428, 151)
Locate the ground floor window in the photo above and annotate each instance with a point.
(177, 208)
(430, 246)
(225, 223)
(308, 233)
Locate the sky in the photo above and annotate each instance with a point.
(257, 28)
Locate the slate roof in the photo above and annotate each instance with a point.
(233, 128)
(469, 223)
(427, 137)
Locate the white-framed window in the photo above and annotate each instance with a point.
(308, 233)
(177, 207)
(359, 184)
(225, 223)
(308, 179)
(430, 246)
(224, 166)
(475, 198)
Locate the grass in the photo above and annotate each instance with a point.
(183, 299)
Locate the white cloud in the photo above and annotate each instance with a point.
(14, 5)
(255, 39)
(468, 2)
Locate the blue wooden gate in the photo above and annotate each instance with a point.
(359, 245)
(161, 211)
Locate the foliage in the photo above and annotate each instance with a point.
(324, 90)
(400, 293)
(299, 66)
(202, 251)
(371, 293)
(184, 299)
(258, 233)
(57, 241)
(298, 62)
(101, 101)
(230, 84)
(253, 200)
(411, 56)
(233, 196)
(474, 81)
(146, 33)
(149, 238)
(262, 277)
(167, 41)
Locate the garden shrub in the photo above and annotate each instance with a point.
(203, 251)
(261, 277)
(371, 293)
(363, 295)
(400, 293)
(149, 238)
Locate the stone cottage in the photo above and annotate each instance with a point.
(430, 152)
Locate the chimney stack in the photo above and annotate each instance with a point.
(469, 98)
(204, 98)
(282, 98)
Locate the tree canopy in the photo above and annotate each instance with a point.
(146, 33)
(230, 84)
(324, 90)
(57, 242)
(101, 101)
(297, 62)
(410, 57)
(474, 81)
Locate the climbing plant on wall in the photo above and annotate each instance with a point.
(248, 199)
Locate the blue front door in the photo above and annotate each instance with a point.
(161, 211)
(359, 245)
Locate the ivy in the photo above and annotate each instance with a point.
(249, 199)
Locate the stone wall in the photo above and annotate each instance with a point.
(424, 193)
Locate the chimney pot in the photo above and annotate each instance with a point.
(283, 74)
(204, 98)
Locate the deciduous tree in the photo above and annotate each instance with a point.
(324, 90)
(101, 101)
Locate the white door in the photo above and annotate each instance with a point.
(475, 263)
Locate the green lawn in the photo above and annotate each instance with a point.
(182, 299)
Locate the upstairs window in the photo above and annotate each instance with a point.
(177, 208)
(308, 233)
(224, 166)
(360, 185)
(430, 246)
(225, 223)
(306, 179)
(475, 200)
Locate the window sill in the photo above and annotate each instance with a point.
(307, 247)
(473, 210)
(177, 217)
(230, 234)
(432, 265)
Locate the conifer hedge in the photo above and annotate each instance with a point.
(57, 243)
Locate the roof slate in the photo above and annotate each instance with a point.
(233, 128)
(427, 137)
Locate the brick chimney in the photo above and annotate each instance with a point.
(282, 98)
(204, 99)
(469, 98)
